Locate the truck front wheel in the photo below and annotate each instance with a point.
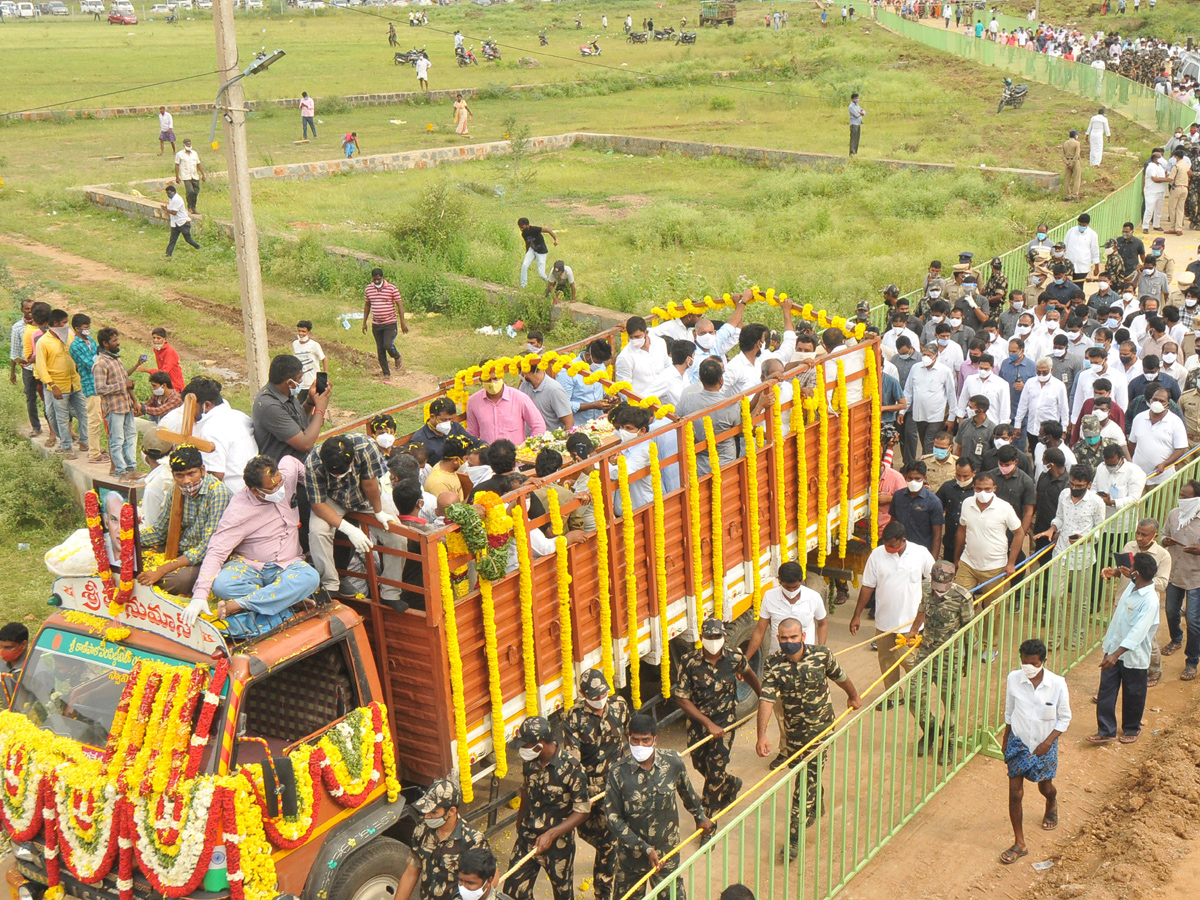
(373, 873)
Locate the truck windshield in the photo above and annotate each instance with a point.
(72, 683)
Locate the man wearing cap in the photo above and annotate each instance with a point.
(438, 841)
(1041, 241)
(1181, 176)
(594, 732)
(972, 304)
(952, 290)
(1111, 279)
(945, 608)
(554, 802)
(1072, 171)
(933, 280)
(1082, 246)
(1091, 444)
(966, 258)
(998, 281)
(707, 692)
(562, 281)
(862, 312)
(798, 676)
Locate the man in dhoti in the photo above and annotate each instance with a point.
(1097, 131)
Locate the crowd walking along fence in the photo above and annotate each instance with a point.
(872, 775)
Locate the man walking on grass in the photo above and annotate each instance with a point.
(181, 223)
(166, 130)
(385, 310)
(189, 173)
(856, 120)
(308, 114)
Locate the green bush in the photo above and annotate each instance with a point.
(721, 102)
(434, 230)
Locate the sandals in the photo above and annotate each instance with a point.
(1153, 680)
(1130, 738)
(1050, 820)
(1099, 739)
(1172, 647)
(1012, 854)
(1189, 674)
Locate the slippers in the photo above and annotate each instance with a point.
(1099, 739)
(1130, 738)
(1012, 854)
(1050, 821)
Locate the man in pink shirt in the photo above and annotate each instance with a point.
(259, 535)
(308, 112)
(499, 411)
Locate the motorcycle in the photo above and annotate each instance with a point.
(638, 37)
(1014, 95)
(409, 58)
(591, 48)
(685, 37)
(542, 38)
(664, 35)
(466, 57)
(490, 51)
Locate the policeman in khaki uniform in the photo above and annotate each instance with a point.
(945, 608)
(707, 692)
(554, 802)
(438, 841)
(939, 465)
(594, 732)
(640, 805)
(1189, 405)
(797, 675)
(1072, 165)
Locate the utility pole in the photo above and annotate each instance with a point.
(245, 232)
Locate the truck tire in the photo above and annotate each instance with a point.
(739, 631)
(372, 873)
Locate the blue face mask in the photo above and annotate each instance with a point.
(1093, 441)
(905, 355)
(1082, 229)
(1041, 235)
(940, 453)
(1013, 357)
(1112, 323)
(942, 342)
(1058, 281)
(791, 647)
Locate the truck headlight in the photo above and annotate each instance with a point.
(30, 891)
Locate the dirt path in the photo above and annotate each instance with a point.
(80, 270)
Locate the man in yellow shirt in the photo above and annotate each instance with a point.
(55, 369)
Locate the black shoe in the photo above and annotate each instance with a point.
(922, 742)
(780, 759)
(891, 704)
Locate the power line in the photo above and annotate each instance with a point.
(139, 87)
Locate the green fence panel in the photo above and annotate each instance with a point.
(870, 777)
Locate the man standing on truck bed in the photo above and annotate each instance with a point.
(554, 802)
(594, 731)
(438, 843)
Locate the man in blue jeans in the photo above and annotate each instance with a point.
(1181, 537)
(118, 404)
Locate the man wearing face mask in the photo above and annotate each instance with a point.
(588, 401)
(798, 677)
(14, 649)
(982, 547)
(713, 342)
(1082, 246)
(230, 431)
(83, 351)
(939, 465)
(549, 397)
(938, 312)
(744, 370)
(985, 382)
(1091, 446)
(477, 876)
(934, 281)
(1017, 369)
(929, 395)
(1157, 438)
(54, 367)
(163, 397)
(707, 393)
(204, 502)
(1154, 191)
(1112, 278)
(1008, 319)
(439, 426)
(644, 360)
(707, 692)
(1037, 710)
(1041, 241)
(952, 494)
(1189, 405)
(384, 309)
(500, 412)
(1086, 382)
(975, 430)
(439, 844)
(1152, 284)
(1131, 248)
(900, 329)
(1080, 512)
(254, 563)
(286, 421)
(554, 802)
(1145, 540)
(641, 809)
(594, 732)
(997, 282)
(972, 304)
(1044, 399)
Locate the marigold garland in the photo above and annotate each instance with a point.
(116, 605)
(822, 468)
(357, 754)
(674, 311)
(525, 589)
(843, 407)
(604, 587)
(290, 832)
(693, 507)
(91, 508)
(660, 568)
(777, 450)
(493, 664)
(457, 694)
(876, 428)
(752, 502)
(564, 601)
(801, 433)
(631, 619)
(718, 546)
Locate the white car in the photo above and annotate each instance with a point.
(87, 7)
(203, 4)
(27, 11)
(9, 9)
(159, 9)
(254, 4)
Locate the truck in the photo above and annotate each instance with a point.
(718, 12)
(436, 690)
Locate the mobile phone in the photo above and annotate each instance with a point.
(322, 382)
(143, 358)
(1073, 537)
(1123, 560)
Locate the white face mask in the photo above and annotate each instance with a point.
(712, 646)
(984, 496)
(1018, 305)
(1030, 672)
(1059, 352)
(627, 435)
(1104, 285)
(1147, 272)
(1101, 415)
(1158, 408)
(1043, 378)
(385, 440)
(985, 374)
(277, 495)
(937, 320)
(1000, 442)
(934, 293)
(704, 341)
(640, 752)
(1127, 297)
(1189, 302)
(596, 704)
(302, 338)
(956, 323)
(1169, 358)
(915, 486)
(529, 754)
(789, 595)
(442, 427)
(529, 348)
(927, 361)
(158, 392)
(472, 894)
(1051, 326)
(1023, 330)
(192, 490)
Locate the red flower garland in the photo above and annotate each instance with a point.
(91, 509)
(64, 847)
(315, 760)
(212, 836)
(233, 852)
(131, 751)
(345, 798)
(212, 697)
(53, 871)
(127, 555)
(124, 826)
(181, 755)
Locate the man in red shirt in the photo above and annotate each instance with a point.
(166, 359)
(385, 309)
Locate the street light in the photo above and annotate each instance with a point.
(261, 63)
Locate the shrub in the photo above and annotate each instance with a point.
(721, 102)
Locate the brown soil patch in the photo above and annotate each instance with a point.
(615, 209)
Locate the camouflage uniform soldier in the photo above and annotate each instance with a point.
(707, 693)
(640, 806)
(437, 843)
(998, 283)
(797, 675)
(945, 608)
(554, 802)
(1114, 265)
(476, 869)
(594, 732)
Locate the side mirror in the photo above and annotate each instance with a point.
(279, 783)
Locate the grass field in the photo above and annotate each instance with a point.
(1174, 20)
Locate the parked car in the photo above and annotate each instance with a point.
(58, 8)
(203, 4)
(27, 11)
(8, 9)
(159, 9)
(119, 18)
(87, 7)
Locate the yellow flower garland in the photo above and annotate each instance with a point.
(718, 548)
(605, 588)
(844, 455)
(564, 601)
(876, 427)
(525, 582)
(693, 506)
(781, 494)
(822, 468)
(456, 546)
(456, 677)
(631, 619)
(493, 663)
(660, 568)
(751, 440)
(674, 311)
(801, 432)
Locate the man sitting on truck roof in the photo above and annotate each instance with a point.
(254, 563)
(204, 502)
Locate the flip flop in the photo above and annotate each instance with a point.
(1050, 821)
(1012, 854)
(1130, 738)
(1099, 739)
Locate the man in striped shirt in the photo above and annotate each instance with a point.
(384, 308)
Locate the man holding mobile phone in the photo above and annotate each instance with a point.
(1145, 541)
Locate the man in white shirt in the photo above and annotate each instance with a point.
(791, 599)
(990, 385)
(1097, 131)
(1099, 367)
(166, 130)
(894, 575)
(1119, 483)
(1083, 249)
(717, 342)
(230, 431)
(1043, 400)
(423, 65)
(309, 352)
(929, 397)
(181, 224)
(189, 172)
(1037, 710)
(644, 361)
(744, 371)
(676, 376)
(981, 546)
(1154, 191)
(899, 327)
(1157, 438)
(680, 329)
